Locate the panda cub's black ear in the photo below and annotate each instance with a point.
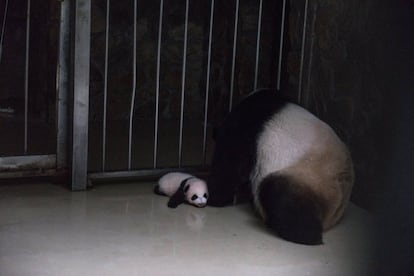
(179, 196)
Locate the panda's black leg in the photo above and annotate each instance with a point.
(220, 194)
(177, 198)
(291, 210)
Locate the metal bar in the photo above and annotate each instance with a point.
(180, 143)
(3, 28)
(62, 89)
(282, 33)
(210, 38)
(27, 162)
(302, 54)
(134, 86)
(310, 58)
(105, 87)
(26, 76)
(259, 28)
(145, 173)
(233, 67)
(81, 94)
(157, 89)
(33, 173)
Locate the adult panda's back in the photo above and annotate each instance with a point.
(303, 175)
(297, 169)
(291, 134)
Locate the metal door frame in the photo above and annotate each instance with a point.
(46, 164)
(80, 176)
(73, 71)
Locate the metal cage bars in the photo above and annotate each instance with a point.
(233, 63)
(302, 52)
(259, 30)
(105, 95)
(282, 31)
(62, 85)
(180, 142)
(210, 38)
(26, 77)
(81, 94)
(134, 86)
(3, 27)
(27, 165)
(81, 86)
(157, 88)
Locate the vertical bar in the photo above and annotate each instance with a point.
(210, 38)
(26, 76)
(180, 145)
(282, 33)
(105, 87)
(305, 101)
(236, 21)
(63, 85)
(259, 28)
(157, 89)
(81, 94)
(3, 28)
(302, 54)
(134, 86)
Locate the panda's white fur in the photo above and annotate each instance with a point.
(309, 150)
(169, 183)
(182, 187)
(297, 171)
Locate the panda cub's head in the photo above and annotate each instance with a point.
(195, 192)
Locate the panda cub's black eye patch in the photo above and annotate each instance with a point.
(194, 197)
(205, 196)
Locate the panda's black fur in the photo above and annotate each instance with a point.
(182, 187)
(299, 189)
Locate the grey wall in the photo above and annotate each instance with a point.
(353, 59)
(359, 77)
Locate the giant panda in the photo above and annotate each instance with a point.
(290, 164)
(182, 187)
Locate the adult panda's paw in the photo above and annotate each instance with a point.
(219, 201)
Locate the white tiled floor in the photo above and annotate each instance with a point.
(125, 229)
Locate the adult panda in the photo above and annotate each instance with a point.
(293, 166)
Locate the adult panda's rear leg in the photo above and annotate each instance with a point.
(292, 211)
(228, 181)
(221, 190)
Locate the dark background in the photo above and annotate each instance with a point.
(358, 76)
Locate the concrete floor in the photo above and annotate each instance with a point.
(124, 229)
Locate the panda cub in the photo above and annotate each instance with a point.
(294, 168)
(182, 187)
